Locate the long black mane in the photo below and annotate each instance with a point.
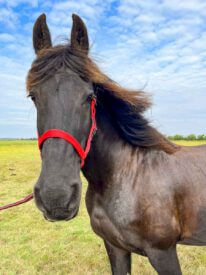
(125, 107)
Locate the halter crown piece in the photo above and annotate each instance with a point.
(57, 133)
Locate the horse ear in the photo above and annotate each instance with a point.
(79, 36)
(41, 34)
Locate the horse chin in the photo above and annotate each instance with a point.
(68, 217)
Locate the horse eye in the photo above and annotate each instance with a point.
(33, 98)
(89, 98)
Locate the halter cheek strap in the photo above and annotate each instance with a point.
(57, 133)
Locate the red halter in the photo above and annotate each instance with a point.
(56, 133)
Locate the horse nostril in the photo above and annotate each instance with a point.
(36, 192)
(38, 199)
(74, 197)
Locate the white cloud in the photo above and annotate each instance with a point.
(15, 3)
(185, 5)
(8, 17)
(6, 37)
(17, 111)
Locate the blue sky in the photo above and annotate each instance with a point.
(155, 45)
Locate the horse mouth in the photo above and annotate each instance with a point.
(60, 216)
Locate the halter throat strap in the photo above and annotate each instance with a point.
(57, 133)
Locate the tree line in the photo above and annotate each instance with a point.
(189, 137)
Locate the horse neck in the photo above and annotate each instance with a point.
(108, 153)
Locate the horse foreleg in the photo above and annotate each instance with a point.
(165, 262)
(120, 260)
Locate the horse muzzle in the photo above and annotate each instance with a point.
(58, 207)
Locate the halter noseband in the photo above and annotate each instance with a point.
(57, 133)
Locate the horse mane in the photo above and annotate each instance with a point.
(125, 107)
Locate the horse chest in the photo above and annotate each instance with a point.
(111, 219)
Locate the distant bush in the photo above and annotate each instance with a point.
(189, 137)
(28, 138)
(201, 137)
(176, 137)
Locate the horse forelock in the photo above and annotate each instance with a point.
(50, 60)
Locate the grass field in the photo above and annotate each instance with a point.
(31, 245)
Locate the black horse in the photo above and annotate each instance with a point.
(145, 194)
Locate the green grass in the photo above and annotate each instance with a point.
(31, 245)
